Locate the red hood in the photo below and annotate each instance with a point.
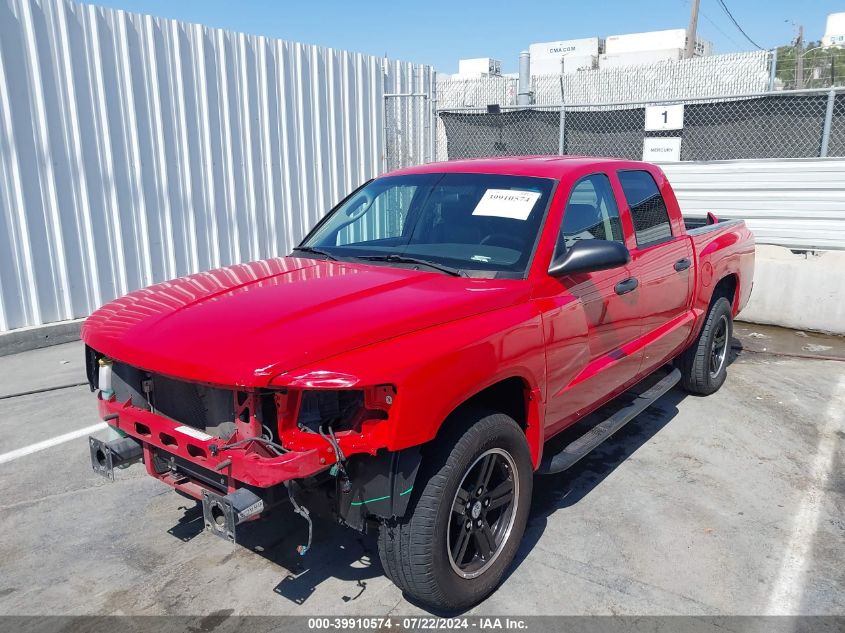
(245, 324)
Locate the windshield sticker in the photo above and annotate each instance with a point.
(507, 203)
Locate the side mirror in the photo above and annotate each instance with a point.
(587, 256)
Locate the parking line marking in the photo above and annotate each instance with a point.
(53, 441)
(785, 598)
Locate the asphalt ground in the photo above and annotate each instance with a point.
(726, 505)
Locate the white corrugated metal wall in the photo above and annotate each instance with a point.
(798, 203)
(135, 149)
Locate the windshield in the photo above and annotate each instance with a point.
(480, 224)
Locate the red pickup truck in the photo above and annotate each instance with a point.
(406, 366)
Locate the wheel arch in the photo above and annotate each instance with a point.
(728, 287)
(387, 478)
(515, 397)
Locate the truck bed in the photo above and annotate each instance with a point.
(698, 226)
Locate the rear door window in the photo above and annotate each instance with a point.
(648, 209)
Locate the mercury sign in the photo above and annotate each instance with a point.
(662, 149)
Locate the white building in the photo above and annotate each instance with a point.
(834, 32)
(565, 56)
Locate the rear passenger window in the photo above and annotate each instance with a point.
(591, 213)
(648, 210)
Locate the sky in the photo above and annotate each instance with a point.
(439, 32)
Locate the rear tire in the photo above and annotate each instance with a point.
(467, 514)
(704, 365)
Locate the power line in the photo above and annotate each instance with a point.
(736, 24)
(718, 28)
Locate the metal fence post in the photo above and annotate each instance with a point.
(561, 136)
(828, 121)
(432, 128)
(773, 70)
(384, 134)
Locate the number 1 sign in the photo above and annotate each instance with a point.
(664, 117)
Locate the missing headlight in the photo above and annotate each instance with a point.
(342, 410)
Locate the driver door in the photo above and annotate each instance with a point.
(589, 319)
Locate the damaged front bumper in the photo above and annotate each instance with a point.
(242, 478)
(246, 464)
(222, 511)
(235, 484)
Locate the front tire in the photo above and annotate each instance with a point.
(467, 516)
(704, 366)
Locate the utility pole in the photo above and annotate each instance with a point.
(693, 27)
(799, 58)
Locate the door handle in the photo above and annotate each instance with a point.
(626, 285)
(682, 264)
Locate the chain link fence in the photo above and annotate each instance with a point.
(700, 77)
(407, 121)
(801, 124)
(734, 74)
(716, 75)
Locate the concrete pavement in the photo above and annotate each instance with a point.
(726, 505)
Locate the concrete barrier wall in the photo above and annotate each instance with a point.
(791, 204)
(803, 291)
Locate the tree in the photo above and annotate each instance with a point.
(823, 66)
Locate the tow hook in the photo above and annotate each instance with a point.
(119, 453)
(222, 513)
(303, 512)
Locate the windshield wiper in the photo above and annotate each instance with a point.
(404, 259)
(315, 251)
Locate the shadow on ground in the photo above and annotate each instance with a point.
(336, 552)
(342, 553)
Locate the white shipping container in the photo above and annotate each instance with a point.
(648, 41)
(547, 57)
(560, 48)
(546, 66)
(479, 66)
(639, 58)
(654, 41)
(575, 63)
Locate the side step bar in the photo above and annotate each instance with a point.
(577, 449)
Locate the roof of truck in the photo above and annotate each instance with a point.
(544, 166)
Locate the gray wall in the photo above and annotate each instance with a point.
(135, 149)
